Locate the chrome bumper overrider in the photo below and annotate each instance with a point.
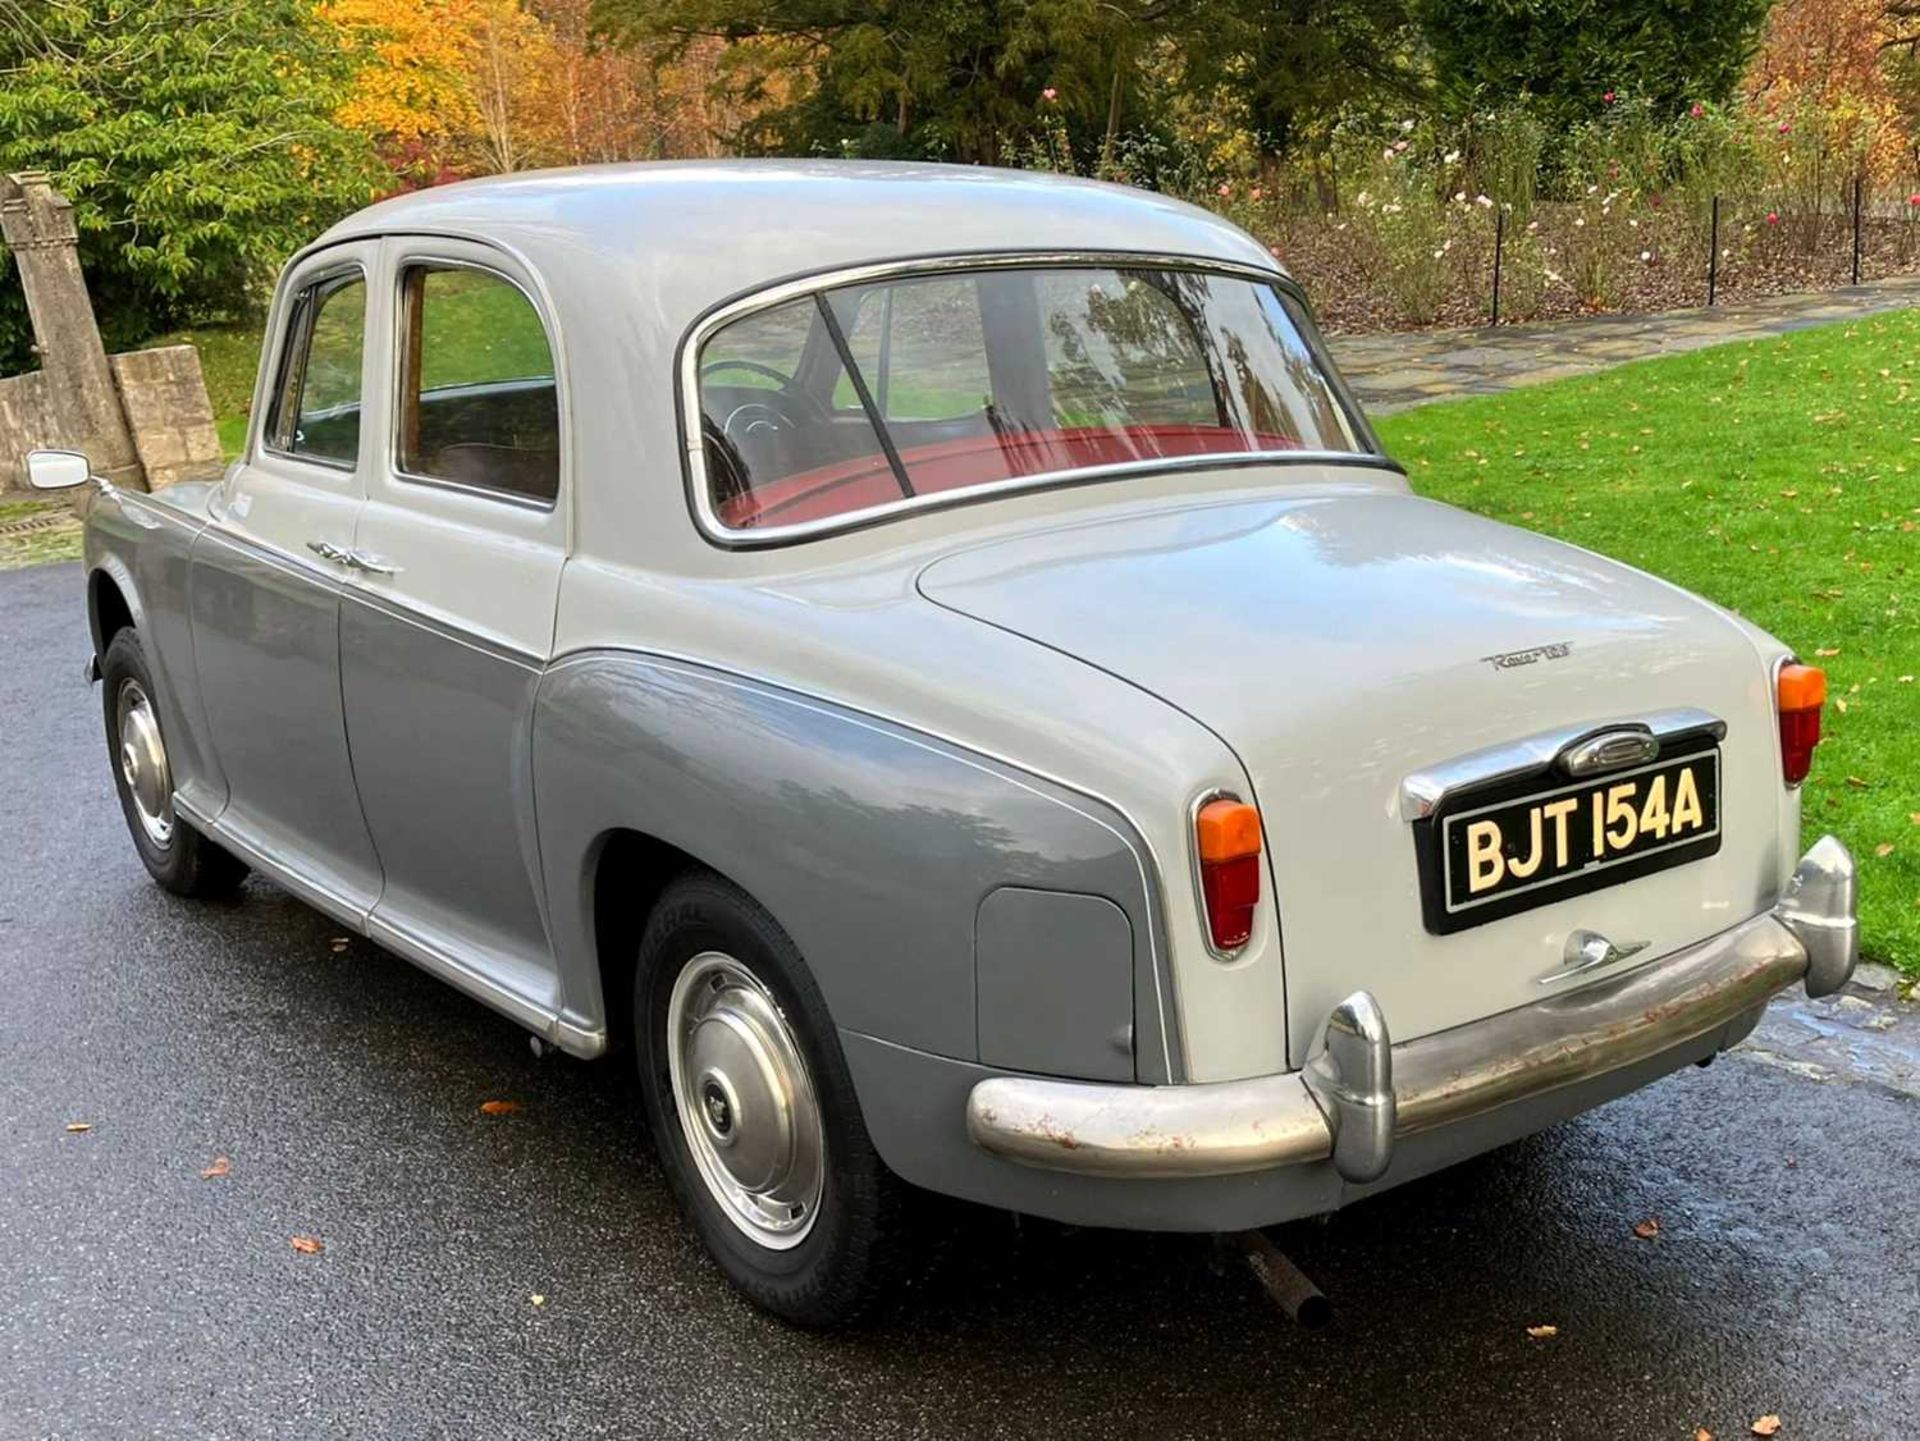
(1359, 1092)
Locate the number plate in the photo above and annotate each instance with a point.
(1491, 855)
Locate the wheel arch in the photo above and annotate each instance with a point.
(624, 873)
(111, 605)
(872, 846)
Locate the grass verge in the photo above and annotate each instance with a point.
(1780, 478)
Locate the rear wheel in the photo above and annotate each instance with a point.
(754, 1113)
(176, 855)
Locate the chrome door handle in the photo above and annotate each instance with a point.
(369, 562)
(327, 550)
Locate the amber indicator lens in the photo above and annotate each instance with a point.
(1803, 692)
(1227, 838)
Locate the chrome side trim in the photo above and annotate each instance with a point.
(396, 609)
(1229, 1127)
(543, 1021)
(321, 897)
(1426, 790)
(688, 383)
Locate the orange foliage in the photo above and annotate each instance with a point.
(451, 87)
(1828, 59)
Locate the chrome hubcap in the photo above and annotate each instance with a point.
(143, 761)
(745, 1101)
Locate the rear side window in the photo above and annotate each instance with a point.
(478, 404)
(316, 402)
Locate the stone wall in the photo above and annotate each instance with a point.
(164, 398)
(27, 418)
(142, 419)
(161, 393)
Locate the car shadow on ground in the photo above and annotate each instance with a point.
(1434, 1285)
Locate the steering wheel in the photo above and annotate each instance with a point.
(792, 407)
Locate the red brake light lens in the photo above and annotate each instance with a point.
(1803, 691)
(1227, 837)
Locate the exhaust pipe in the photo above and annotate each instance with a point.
(1283, 1281)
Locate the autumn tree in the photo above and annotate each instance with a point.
(443, 86)
(1843, 66)
(953, 78)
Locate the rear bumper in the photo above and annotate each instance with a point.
(1360, 1094)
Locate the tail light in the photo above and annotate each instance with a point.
(1227, 840)
(1803, 691)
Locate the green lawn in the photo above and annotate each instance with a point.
(1780, 478)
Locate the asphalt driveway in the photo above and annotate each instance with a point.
(140, 1299)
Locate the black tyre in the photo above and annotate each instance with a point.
(174, 853)
(753, 1111)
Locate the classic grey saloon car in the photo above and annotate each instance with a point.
(934, 664)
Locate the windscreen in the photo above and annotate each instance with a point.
(847, 399)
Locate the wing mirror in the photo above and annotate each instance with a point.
(57, 469)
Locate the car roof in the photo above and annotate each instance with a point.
(628, 258)
(704, 231)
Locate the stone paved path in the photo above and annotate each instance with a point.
(1392, 372)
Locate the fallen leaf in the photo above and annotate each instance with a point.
(1543, 1333)
(1826, 650)
(1701, 1433)
(1648, 1228)
(1840, 702)
(1767, 1425)
(1904, 680)
(339, 944)
(74, 1128)
(307, 1246)
(538, 1299)
(498, 1108)
(1859, 783)
(220, 1167)
(1884, 849)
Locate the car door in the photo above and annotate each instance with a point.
(449, 613)
(265, 603)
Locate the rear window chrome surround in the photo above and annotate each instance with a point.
(693, 449)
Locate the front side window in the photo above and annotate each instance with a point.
(860, 396)
(316, 409)
(478, 404)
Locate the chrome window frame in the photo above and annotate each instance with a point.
(693, 448)
(397, 341)
(288, 337)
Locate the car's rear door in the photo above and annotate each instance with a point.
(449, 612)
(265, 599)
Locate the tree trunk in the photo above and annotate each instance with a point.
(1112, 137)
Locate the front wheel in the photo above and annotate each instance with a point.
(176, 855)
(753, 1110)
